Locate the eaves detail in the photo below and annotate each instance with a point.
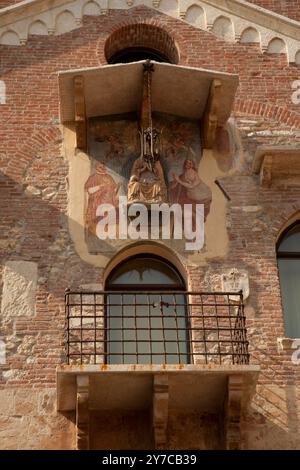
(232, 20)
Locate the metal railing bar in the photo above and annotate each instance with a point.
(208, 325)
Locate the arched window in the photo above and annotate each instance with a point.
(288, 254)
(146, 320)
(134, 54)
(140, 41)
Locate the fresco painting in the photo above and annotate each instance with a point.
(100, 188)
(117, 169)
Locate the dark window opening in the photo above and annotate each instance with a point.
(288, 255)
(146, 314)
(135, 54)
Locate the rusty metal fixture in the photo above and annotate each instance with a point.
(147, 182)
(155, 327)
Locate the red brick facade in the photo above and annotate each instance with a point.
(34, 223)
(290, 8)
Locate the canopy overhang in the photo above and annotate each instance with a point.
(187, 92)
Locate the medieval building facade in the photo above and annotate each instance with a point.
(115, 335)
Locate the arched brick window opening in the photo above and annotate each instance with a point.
(288, 256)
(136, 42)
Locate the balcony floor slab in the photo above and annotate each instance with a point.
(130, 387)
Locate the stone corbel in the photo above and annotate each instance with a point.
(80, 115)
(82, 413)
(160, 410)
(276, 162)
(266, 172)
(233, 412)
(210, 117)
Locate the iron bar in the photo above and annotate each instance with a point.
(158, 327)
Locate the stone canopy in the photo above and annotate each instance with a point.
(187, 92)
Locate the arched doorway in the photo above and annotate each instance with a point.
(146, 313)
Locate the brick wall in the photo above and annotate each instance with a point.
(290, 8)
(144, 35)
(34, 222)
(7, 3)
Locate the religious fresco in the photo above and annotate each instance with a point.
(181, 155)
(147, 183)
(100, 188)
(119, 169)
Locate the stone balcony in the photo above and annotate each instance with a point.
(165, 353)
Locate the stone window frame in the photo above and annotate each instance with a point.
(286, 344)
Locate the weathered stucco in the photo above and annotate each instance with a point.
(28, 420)
(19, 289)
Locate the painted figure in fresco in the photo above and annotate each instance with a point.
(116, 149)
(188, 188)
(100, 189)
(147, 185)
(147, 181)
(178, 144)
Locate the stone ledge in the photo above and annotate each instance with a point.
(202, 385)
(287, 344)
(276, 162)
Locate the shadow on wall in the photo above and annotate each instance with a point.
(35, 228)
(272, 422)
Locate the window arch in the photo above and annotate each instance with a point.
(143, 271)
(288, 256)
(146, 314)
(140, 41)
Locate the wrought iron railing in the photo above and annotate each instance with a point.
(170, 327)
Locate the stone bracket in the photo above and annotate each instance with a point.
(160, 409)
(276, 162)
(233, 412)
(210, 117)
(266, 172)
(82, 413)
(80, 113)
